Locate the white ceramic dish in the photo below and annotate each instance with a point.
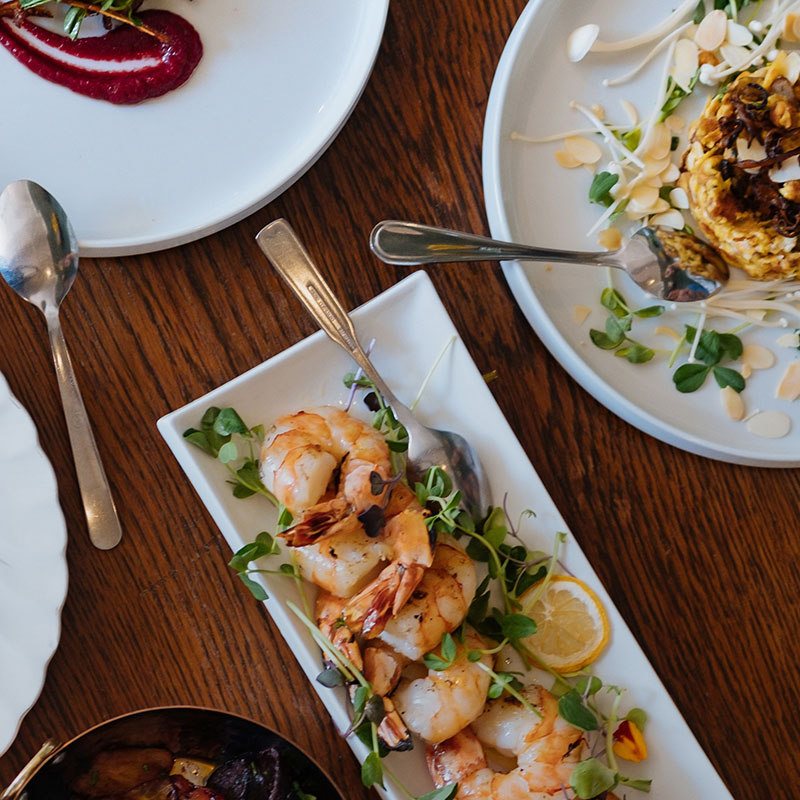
(276, 83)
(530, 198)
(310, 373)
(33, 566)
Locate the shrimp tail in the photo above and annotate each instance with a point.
(331, 624)
(319, 522)
(371, 608)
(392, 731)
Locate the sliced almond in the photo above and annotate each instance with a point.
(665, 330)
(792, 68)
(732, 403)
(758, 357)
(747, 371)
(660, 206)
(634, 215)
(775, 70)
(788, 340)
(686, 61)
(750, 151)
(642, 198)
(584, 150)
(788, 171)
(580, 41)
(695, 152)
(735, 55)
(610, 238)
(580, 314)
(631, 112)
(598, 111)
(790, 23)
(675, 123)
(659, 144)
(738, 34)
(655, 166)
(769, 424)
(669, 219)
(789, 386)
(670, 174)
(567, 159)
(679, 198)
(711, 32)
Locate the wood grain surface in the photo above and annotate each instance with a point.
(700, 557)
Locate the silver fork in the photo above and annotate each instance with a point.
(427, 447)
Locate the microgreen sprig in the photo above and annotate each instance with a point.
(215, 437)
(711, 347)
(118, 10)
(619, 323)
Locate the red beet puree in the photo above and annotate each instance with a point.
(123, 66)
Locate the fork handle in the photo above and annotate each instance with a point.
(287, 254)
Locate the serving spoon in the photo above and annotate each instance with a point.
(670, 265)
(427, 447)
(39, 261)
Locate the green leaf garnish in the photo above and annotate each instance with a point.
(690, 377)
(591, 778)
(572, 709)
(602, 183)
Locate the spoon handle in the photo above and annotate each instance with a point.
(409, 243)
(98, 505)
(281, 246)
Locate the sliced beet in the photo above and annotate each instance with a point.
(258, 777)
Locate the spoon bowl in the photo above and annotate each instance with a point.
(427, 447)
(39, 261)
(673, 266)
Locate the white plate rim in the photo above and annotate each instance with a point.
(54, 559)
(202, 480)
(372, 15)
(534, 311)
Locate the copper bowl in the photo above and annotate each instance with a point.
(201, 733)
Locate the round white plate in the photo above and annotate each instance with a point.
(276, 83)
(33, 565)
(530, 198)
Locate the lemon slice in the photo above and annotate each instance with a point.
(572, 625)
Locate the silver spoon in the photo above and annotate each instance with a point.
(39, 261)
(426, 447)
(670, 265)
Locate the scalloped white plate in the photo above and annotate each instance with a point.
(457, 398)
(530, 198)
(276, 83)
(33, 565)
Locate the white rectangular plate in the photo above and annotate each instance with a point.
(410, 326)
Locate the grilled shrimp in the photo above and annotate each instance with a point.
(392, 730)
(299, 460)
(437, 606)
(408, 538)
(546, 749)
(442, 703)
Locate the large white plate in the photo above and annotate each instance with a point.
(529, 198)
(310, 373)
(276, 83)
(33, 566)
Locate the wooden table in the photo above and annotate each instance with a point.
(700, 557)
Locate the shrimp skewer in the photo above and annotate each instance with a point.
(547, 750)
